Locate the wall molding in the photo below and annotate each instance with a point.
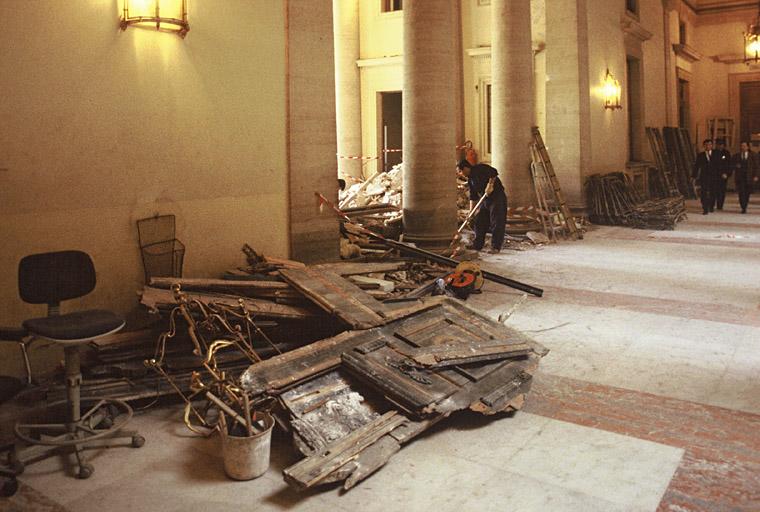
(687, 53)
(631, 26)
(380, 61)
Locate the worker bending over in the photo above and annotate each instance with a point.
(483, 180)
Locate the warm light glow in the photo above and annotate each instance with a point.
(752, 40)
(752, 48)
(163, 15)
(611, 92)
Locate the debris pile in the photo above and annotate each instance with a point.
(614, 201)
(382, 188)
(389, 370)
(351, 401)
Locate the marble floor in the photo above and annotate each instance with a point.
(649, 399)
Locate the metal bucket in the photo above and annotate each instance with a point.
(247, 457)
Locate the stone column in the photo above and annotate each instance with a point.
(429, 121)
(512, 97)
(568, 109)
(347, 86)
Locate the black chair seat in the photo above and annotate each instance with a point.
(75, 326)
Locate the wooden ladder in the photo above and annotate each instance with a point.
(546, 163)
(664, 160)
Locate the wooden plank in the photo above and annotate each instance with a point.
(277, 373)
(351, 269)
(191, 283)
(155, 298)
(371, 459)
(312, 470)
(337, 296)
(439, 356)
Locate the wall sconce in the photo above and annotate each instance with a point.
(166, 15)
(752, 40)
(611, 91)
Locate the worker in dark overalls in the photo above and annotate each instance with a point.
(483, 180)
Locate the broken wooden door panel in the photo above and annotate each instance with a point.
(315, 468)
(389, 368)
(274, 375)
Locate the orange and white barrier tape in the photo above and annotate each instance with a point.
(466, 145)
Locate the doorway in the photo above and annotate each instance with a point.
(390, 134)
(749, 107)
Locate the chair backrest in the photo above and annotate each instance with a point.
(52, 277)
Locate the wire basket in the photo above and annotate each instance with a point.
(162, 253)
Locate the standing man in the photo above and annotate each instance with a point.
(723, 159)
(483, 180)
(746, 166)
(706, 173)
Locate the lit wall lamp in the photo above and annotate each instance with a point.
(611, 91)
(752, 40)
(166, 15)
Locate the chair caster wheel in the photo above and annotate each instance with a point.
(85, 471)
(9, 487)
(137, 441)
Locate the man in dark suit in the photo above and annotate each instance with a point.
(723, 159)
(747, 173)
(483, 180)
(706, 173)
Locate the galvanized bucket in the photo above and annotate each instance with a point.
(247, 457)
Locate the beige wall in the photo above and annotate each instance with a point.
(381, 33)
(609, 128)
(102, 127)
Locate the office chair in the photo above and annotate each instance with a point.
(50, 278)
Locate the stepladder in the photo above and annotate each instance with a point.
(549, 193)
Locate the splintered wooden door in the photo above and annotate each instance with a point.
(385, 361)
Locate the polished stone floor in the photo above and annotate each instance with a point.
(648, 400)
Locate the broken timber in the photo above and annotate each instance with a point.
(317, 467)
(344, 299)
(450, 262)
(156, 298)
(440, 356)
(415, 251)
(312, 388)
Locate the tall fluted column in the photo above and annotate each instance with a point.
(347, 85)
(429, 119)
(512, 99)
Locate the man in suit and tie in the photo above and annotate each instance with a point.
(706, 169)
(747, 173)
(723, 160)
